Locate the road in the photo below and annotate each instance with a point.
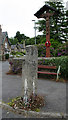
(54, 92)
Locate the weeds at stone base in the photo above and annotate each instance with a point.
(34, 103)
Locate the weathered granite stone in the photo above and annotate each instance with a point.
(29, 71)
(16, 64)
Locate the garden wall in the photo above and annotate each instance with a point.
(16, 64)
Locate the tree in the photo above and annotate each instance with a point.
(30, 41)
(13, 41)
(20, 37)
(40, 39)
(58, 25)
(66, 24)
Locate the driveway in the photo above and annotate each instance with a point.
(54, 92)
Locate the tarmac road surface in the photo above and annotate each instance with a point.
(54, 92)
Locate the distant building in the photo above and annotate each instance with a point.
(21, 47)
(5, 45)
(18, 47)
(14, 48)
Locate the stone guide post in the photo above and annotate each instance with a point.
(29, 72)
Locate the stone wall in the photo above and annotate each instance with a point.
(15, 64)
(28, 66)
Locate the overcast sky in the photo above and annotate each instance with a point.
(17, 15)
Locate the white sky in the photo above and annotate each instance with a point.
(17, 15)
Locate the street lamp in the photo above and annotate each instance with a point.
(35, 30)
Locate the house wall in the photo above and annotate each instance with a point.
(6, 41)
(2, 46)
(0, 38)
(0, 43)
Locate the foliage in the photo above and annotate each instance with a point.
(18, 53)
(13, 41)
(57, 50)
(54, 43)
(30, 41)
(20, 37)
(58, 28)
(39, 39)
(60, 51)
(41, 50)
(34, 103)
(58, 23)
(62, 61)
(67, 48)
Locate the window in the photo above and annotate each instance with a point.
(5, 45)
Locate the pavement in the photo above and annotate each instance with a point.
(54, 93)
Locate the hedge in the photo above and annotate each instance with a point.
(54, 52)
(62, 61)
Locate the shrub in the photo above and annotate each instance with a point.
(41, 50)
(13, 52)
(54, 43)
(62, 61)
(54, 52)
(61, 50)
(18, 53)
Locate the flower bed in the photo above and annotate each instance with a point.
(35, 102)
(54, 52)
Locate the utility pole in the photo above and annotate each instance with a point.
(35, 30)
